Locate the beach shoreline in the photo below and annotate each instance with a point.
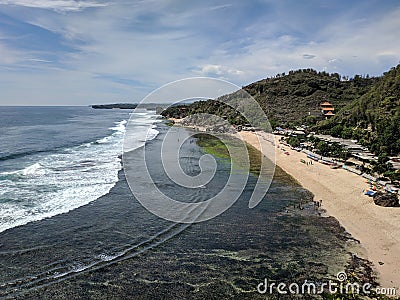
(377, 228)
(114, 247)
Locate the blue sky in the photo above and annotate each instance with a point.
(70, 52)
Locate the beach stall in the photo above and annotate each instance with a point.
(369, 192)
(392, 189)
(369, 177)
(326, 161)
(350, 169)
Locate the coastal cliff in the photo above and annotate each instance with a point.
(114, 106)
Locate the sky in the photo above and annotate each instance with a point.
(71, 52)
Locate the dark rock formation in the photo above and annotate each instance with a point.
(115, 106)
(386, 199)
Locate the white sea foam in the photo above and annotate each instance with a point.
(151, 134)
(60, 182)
(35, 169)
(103, 140)
(120, 126)
(137, 138)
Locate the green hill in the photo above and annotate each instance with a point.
(367, 109)
(373, 118)
(289, 99)
(296, 97)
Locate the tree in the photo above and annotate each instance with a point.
(323, 148)
(336, 130)
(293, 141)
(382, 166)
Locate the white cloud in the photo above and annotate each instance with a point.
(38, 60)
(57, 87)
(146, 44)
(223, 6)
(308, 56)
(57, 5)
(348, 46)
(8, 56)
(218, 70)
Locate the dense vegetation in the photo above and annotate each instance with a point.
(210, 107)
(374, 118)
(295, 98)
(287, 99)
(367, 109)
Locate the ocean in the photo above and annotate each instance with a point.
(55, 159)
(71, 227)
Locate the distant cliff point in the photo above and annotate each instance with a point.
(115, 106)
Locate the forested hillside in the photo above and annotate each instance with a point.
(296, 97)
(374, 118)
(290, 99)
(367, 109)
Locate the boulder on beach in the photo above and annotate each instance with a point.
(386, 199)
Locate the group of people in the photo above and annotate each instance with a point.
(317, 204)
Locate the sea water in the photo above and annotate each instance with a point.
(100, 242)
(55, 159)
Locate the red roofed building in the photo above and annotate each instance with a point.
(327, 109)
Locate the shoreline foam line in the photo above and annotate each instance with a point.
(67, 179)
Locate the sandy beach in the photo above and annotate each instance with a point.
(377, 228)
